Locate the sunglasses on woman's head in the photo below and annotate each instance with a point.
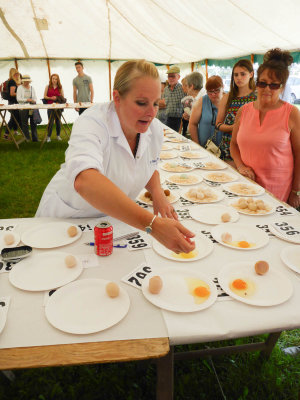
(272, 86)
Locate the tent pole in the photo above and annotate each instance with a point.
(109, 73)
(252, 58)
(192, 66)
(206, 70)
(49, 70)
(16, 64)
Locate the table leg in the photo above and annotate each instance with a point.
(269, 344)
(63, 126)
(5, 124)
(165, 376)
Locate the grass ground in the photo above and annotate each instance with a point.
(23, 176)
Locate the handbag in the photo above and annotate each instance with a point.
(36, 116)
(211, 145)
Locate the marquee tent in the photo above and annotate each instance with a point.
(40, 36)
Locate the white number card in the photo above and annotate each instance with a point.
(138, 242)
(286, 229)
(136, 277)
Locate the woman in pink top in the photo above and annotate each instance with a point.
(265, 141)
(52, 92)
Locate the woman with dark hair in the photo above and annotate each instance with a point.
(265, 141)
(241, 92)
(52, 92)
(204, 112)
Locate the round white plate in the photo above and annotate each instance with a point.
(174, 295)
(44, 271)
(219, 196)
(166, 146)
(231, 187)
(211, 214)
(192, 145)
(290, 255)
(193, 154)
(175, 166)
(219, 177)
(215, 166)
(2, 319)
(49, 235)
(204, 247)
(168, 155)
(83, 307)
(175, 139)
(248, 233)
(270, 289)
(17, 239)
(174, 196)
(292, 222)
(246, 211)
(176, 179)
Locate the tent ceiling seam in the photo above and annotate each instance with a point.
(13, 33)
(138, 31)
(195, 29)
(258, 22)
(40, 33)
(109, 28)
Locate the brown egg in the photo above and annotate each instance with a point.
(147, 195)
(70, 261)
(225, 217)
(72, 231)
(112, 290)
(226, 237)
(261, 267)
(9, 239)
(167, 192)
(155, 284)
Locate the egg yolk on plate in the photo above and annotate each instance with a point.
(199, 289)
(243, 244)
(191, 254)
(242, 287)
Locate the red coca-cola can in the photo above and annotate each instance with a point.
(103, 233)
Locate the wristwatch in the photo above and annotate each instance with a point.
(296, 192)
(148, 228)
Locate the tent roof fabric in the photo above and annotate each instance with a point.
(162, 31)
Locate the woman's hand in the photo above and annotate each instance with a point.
(294, 200)
(173, 235)
(53, 98)
(162, 206)
(185, 116)
(246, 171)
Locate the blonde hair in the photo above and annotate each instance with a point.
(12, 72)
(131, 70)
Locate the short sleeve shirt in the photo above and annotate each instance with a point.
(12, 99)
(82, 83)
(173, 101)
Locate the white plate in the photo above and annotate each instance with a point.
(219, 196)
(83, 307)
(49, 235)
(174, 295)
(219, 176)
(290, 255)
(246, 211)
(211, 214)
(168, 155)
(2, 319)
(218, 166)
(175, 139)
(204, 247)
(270, 289)
(192, 145)
(44, 271)
(16, 236)
(176, 179)
(230, 188)
(292, 222)
(176, 164)
(174, 196)
(193, 154)
(239, 233)
(166, 146)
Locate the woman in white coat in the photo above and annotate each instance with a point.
(113, 154)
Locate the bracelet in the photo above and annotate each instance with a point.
(148, 228)
(219, 124)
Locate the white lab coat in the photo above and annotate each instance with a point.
(98, 142)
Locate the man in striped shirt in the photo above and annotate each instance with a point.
(172, 99)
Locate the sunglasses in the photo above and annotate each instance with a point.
(214, 91)
(272, 86)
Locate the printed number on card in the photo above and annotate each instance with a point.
(136, 277)
(138, 242)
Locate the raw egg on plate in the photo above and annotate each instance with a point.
(191, 254)
(242, 287)
(198, 289)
